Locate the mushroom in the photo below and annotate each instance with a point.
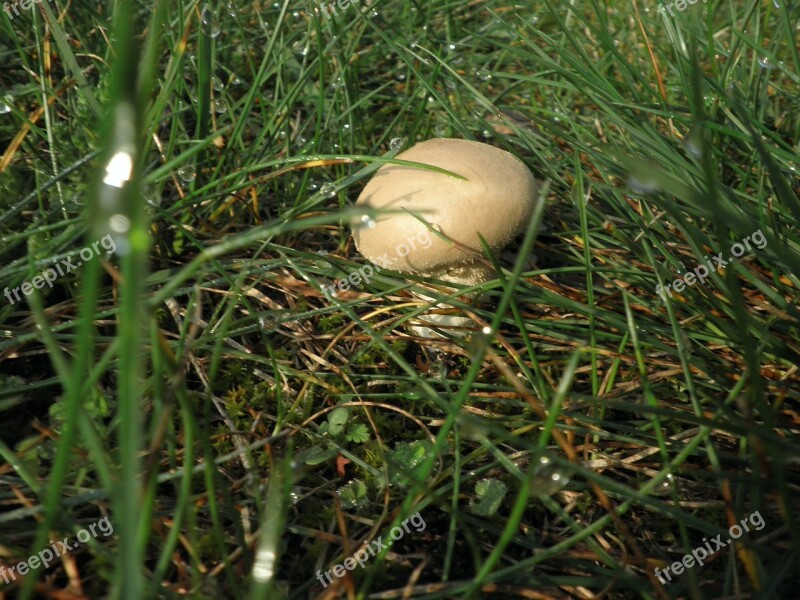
(494, 200)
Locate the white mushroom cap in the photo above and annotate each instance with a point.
(495, 201)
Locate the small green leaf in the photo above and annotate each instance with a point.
(357, 433)
(337, 419)
(490, 494)
(316, 455)
(404, 459)
(353, 494)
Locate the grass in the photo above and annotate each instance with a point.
(244, 433)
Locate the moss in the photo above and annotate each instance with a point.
(375, 355)
(331, 323)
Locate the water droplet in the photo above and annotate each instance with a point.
(397, 143)
(118, 169)
(300, 48)
(373, 12)
(368, 222)
(220, 106)
(547, 477)
(231, 8)
(764, 62)
(693, 143)
(236, 80)
(692, 149)
(266, 324)
(352, 494)
(122, 246)
(187, 173)
(776, 4)
(483, 74)
(217, 84)
(209, 23)
(336, 83)
(328, 190)
(666, 486)
(477, 344)
(453, 55)
(400, 70)
(709, 101)
(473, 428)
(119, 223)
(6, 103)
(643, 186)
